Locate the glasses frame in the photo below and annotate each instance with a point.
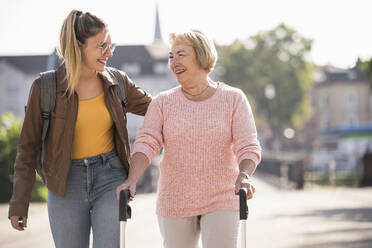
(104, 48)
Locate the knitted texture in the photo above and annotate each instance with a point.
(203, 144)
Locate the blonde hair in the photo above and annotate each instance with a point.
(204, 48)
(76, 28)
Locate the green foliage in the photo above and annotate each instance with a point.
(367, 66)
(39, 192)
(277, 58)
(10, 129)
(9, 132)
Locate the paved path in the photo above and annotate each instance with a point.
(311, 218)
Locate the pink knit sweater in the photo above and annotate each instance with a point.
(203, 144)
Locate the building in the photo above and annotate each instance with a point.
(341, 125)
(16, 76)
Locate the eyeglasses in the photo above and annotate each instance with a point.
(104, 48)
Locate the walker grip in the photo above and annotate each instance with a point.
(125, 211)
(243, 204)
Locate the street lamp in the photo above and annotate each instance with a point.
(270, 91)
(270, 95)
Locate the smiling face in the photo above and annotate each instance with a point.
(96, 51)
(183, 63)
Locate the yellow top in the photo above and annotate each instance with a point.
(94, 130)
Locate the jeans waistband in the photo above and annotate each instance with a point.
(102, 157)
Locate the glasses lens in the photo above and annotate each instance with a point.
(112, 47)
(105, 48)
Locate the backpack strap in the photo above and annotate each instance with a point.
(47, 99)
(122, 86)
(48, 91)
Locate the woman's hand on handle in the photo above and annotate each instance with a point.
(246, 168)
(128, 184)
(139, 164)
(243, 182)
(18, 222)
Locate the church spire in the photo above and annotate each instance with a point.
(157, 34)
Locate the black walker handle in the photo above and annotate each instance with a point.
(243, 204)
(125, 211)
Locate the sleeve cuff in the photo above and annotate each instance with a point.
(143, 148)
(254, 157)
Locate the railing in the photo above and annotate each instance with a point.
(289, 167)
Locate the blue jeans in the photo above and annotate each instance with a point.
(90, 202)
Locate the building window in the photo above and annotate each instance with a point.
(160, 68)
(324, 109)
(351, 75)
(12, 105)
(351, 107)
(132, 69)
(12, 88)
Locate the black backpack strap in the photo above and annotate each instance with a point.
(47, 99)
(122, 86)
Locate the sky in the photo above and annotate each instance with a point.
(340, 30)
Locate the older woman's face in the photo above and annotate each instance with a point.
(183, 63)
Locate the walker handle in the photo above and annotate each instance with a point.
(125, 211)
(243, 204)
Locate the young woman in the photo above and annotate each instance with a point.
(87, 147)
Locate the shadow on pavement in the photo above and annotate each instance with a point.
(342, 214)
(340, 231)
(366, 243)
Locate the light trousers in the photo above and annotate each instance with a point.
(217, 229)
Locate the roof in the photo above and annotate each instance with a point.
(33, 64)
(145, 56)
(333, 75)
(27, 64)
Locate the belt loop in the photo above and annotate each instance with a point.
(104, 158)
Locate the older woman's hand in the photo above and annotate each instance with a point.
(244, 181)
(129, 185)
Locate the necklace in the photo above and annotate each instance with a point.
(184, 91)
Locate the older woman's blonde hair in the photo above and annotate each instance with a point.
(205, 51)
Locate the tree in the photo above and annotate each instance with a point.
(10, 129)
(9, 132)
(367, 66)
(276, 59)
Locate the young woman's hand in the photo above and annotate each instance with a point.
(18, 222)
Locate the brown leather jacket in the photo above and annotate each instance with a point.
(60, 135)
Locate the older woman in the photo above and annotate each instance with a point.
(210, 149)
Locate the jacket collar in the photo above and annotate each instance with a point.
(106, 76)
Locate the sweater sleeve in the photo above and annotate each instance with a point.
(244, 133)
(149, 139)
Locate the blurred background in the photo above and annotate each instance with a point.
(305, 66)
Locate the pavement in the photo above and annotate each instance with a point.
(315, 217)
